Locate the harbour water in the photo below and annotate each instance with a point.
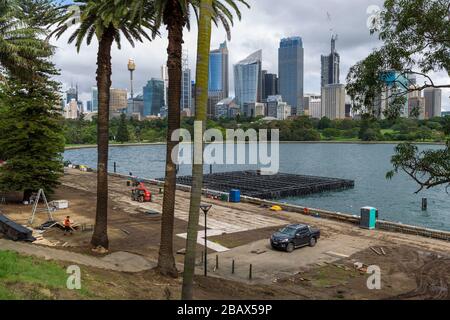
(367, 164)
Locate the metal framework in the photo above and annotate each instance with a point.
(281, 185)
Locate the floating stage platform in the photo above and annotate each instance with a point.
(281, 185)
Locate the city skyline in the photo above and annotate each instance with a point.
(308, 20)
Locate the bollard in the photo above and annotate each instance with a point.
(250, 271)
(115, 167)
(210, 169)
(232, 267)
(202, 257)
(424, 204)
(217, 262)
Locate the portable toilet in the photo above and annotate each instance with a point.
(235, 195)
(369, 217)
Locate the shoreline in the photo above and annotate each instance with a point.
(139, 144)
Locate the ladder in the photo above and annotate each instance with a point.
(40, 194)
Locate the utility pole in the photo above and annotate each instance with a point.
(131, 68)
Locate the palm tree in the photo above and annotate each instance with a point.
(107, 20)
(209, 10)
(174, 14)
(201, 99)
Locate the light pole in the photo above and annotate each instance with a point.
(205, 208)
(131, 68)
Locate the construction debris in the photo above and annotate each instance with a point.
(125, 231)
(374, 250)
(15, 231)
(258, 251)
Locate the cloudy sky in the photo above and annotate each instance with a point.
(261, 27)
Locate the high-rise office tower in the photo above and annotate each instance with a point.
(247, 79)
(153, 97)
(312, 106)
(433, 102)
(94, 99)
(291, 72)
(270, 85)
(396, 85)
(165, 78)
(330, 65)
(118, 101)
(218, 84)
(89, 106)
(333, 101)
(186, 85)
(72, 94)
(218, 71)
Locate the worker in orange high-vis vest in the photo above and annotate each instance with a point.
(67, 225)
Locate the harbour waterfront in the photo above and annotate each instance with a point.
(367, 164)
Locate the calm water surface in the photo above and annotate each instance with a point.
(365, 163)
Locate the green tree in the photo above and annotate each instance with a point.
(107, 20)
(324, 123)
(21, 25)
(429, 168)
(31, 137)
(174, 15)
(201, 98)
(122, 131)
(416, 41)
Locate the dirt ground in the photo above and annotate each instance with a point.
(413, 267)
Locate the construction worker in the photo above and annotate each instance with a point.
(67, 225)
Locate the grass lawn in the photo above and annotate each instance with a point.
(23, 277)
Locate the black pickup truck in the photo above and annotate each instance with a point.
(294, 236)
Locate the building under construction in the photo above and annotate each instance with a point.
(281, 185)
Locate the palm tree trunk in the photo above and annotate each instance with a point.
(100, 236)
(201, 98)
(175, 21)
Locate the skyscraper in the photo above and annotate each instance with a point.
(396, 85)
(218, 71)
(218, 85)
(186, 85)
(94, 99)
(153, 97)
(72, 93)
(118, 100)
(247, 79)
(291, 71)
(330, 65)
(433, 102)
(165, 78)
(333, 101)
(270, 85)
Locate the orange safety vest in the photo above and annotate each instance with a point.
(67, 222)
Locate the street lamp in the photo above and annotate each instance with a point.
(131, 68)
(205, 208)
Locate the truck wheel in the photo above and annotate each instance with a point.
(312, 242)
(290, 247)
